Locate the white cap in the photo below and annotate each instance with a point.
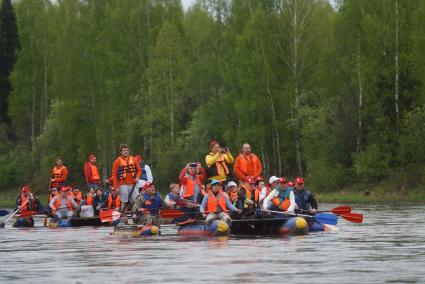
(272, 179)
(231, 183)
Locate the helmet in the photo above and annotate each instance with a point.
(291, 183)
(26, 188)
(282, 180)
(299, 180)
(259, 178)
(250, 181)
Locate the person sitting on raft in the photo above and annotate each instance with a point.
(232, 192)
(63, 205)
(114, 201)
(27, 201)
(216, 204)
(265, 191)
(89, 196)
(281, 198)
(303, 198)
(76, 195)
(192, 185)
(99, 201)
(147, 205)
(173, 195)
(52, 193)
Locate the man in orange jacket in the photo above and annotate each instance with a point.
(247, 165)
(91, 172)
(126, 172)
(59, 174)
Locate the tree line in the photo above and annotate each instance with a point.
(333, 93)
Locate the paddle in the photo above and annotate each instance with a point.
(186, 203)
(13, 214)
(109, 215)
(338, 210)
(324, 218)
(353, 217)
(4, 212)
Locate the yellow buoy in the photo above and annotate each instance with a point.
(300, 223)
(154, 230)
(222, 226)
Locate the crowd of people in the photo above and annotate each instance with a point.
(219, 191)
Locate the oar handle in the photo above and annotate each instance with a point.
(16, 211)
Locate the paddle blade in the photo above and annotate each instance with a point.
(109, 215)
(341, 210)
(353, 217)
(27, 213)
(170, 213)
(326, 218)
(4, 212)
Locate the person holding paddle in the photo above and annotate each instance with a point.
(126, 172)
(303, 198)
(215, 205)
(27, 202)
(63, 205)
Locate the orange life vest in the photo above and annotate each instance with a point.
(77, 198)
(127, 167)
(94, 172)
(59, 201)
(213, 202)
(189, 187)
(233, 196)
(57, 172)
(24, 203)
(254, 197)
(249, 166)
(51, 196)
(281, 204)
(220, 162)
(89, 199)
(114, 203)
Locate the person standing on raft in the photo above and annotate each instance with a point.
(126, 172)
(91, 172)
(59, 174)
(303, 198)
(216, 205)
(247, 165)
(217, 162)
(281, 197)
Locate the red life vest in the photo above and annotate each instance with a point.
(89, 199)
(114, 203)
(59, 201)
(127, 166)
(189, 187)
(213, 202)
(77, 198)
(94, 172)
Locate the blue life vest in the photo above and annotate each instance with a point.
(152, 204)
(301, 199)
(172, 197)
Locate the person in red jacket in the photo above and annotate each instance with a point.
(247, 165)
(91, 172)
(59, 174)
(126, 172)
(201, 173)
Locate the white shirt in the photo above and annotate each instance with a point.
(275, 193)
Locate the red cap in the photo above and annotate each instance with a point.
(138, 158)
(148, 184)
(299, 180)
(64, 189)
(291, 183)
(250, 181)
(259, 178)
(282, 180)
(26, 188)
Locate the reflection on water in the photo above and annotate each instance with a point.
(387, 248)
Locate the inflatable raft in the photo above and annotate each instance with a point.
(199, 228)
(133, 231)
(27, 222)
(271, 226)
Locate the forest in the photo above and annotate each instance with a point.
(333, 92)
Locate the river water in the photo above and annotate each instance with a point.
(388, 247)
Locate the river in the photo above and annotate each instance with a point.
(388, 247)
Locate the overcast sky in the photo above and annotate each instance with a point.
(187, 3)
